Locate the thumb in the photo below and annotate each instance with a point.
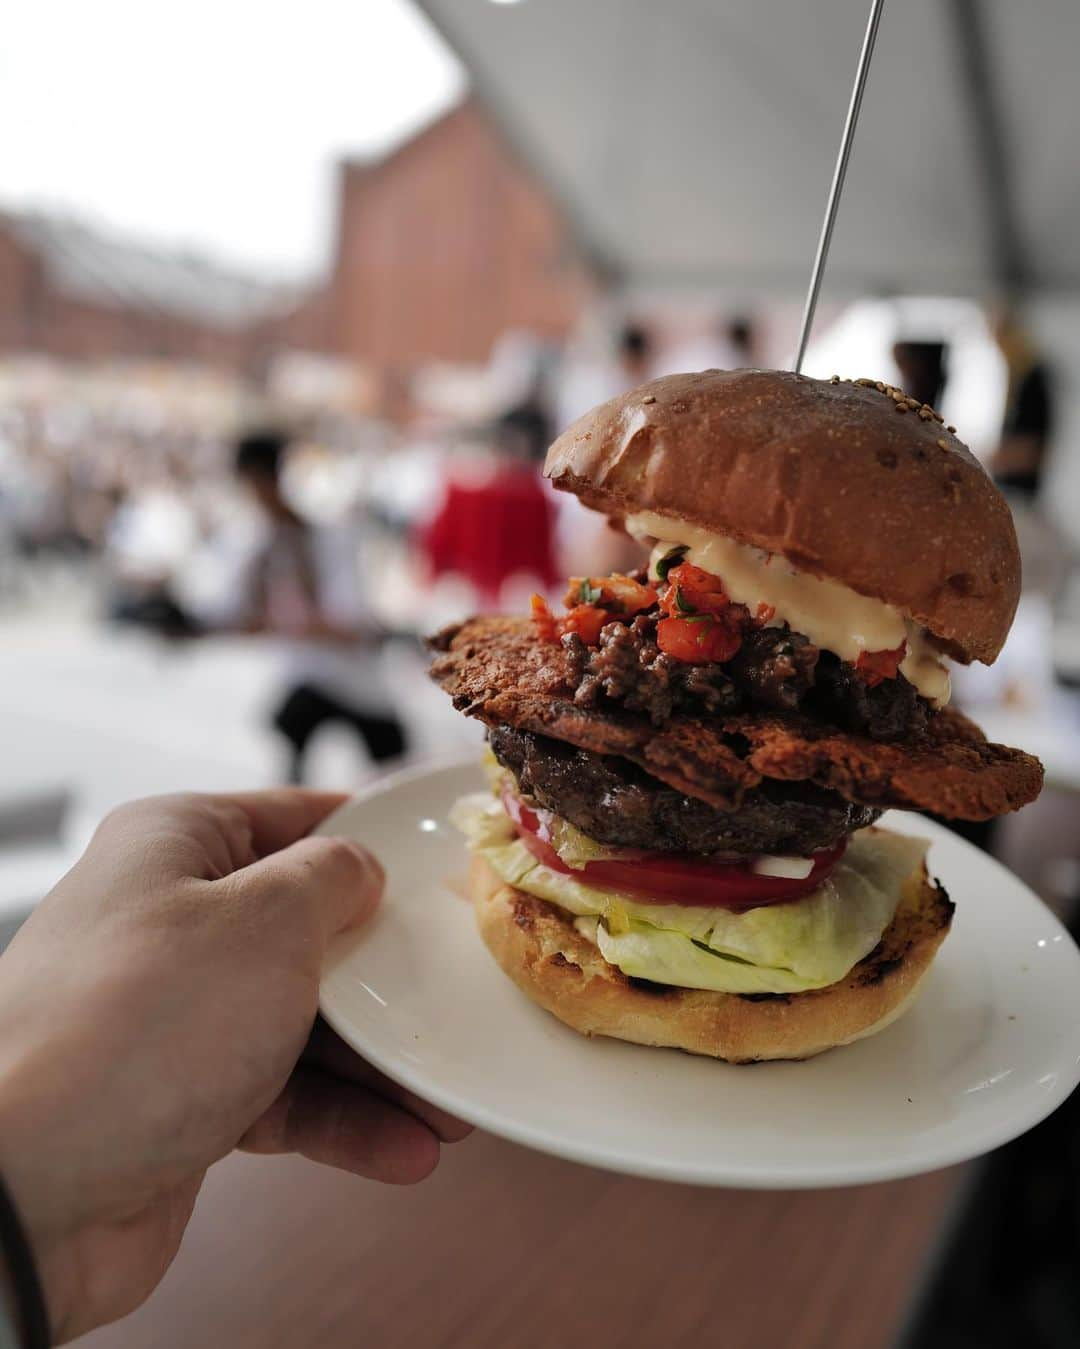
(340, 880)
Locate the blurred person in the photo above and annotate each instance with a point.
(43, 511)
(524, 433)
(923, 368)
(148, 533)
(521, 369)
(525, 430)
(589, 546)
(1017, 463)
(496, 519)
(601, 366)
(634, 351)
(302, 587)
(191, 935)
(584, 541)
(93, 509)
(741, 334)
(495, 526)
(728, 344)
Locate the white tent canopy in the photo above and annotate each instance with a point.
(692, 141)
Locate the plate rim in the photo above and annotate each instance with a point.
(727, 1174)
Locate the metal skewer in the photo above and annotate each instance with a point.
(838, 177)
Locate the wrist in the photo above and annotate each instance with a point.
(9, 1302)
(20, 1283)
(25, 1185)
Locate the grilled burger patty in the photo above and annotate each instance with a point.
(617, 803)
(775, 669)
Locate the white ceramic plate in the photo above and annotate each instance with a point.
(990, 1048)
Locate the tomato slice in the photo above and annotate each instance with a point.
(671, 878)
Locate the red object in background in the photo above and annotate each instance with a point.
(488, 530)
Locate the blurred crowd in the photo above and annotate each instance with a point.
(193, 514)
(145, 494)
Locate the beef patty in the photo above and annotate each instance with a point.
(617, 803)
(774, 670)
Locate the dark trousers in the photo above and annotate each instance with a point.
(308, 707)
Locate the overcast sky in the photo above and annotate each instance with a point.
(212, 124)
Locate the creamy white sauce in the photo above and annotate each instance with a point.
(830, 614)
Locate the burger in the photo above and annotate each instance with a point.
(686, 764)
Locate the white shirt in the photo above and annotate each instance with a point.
(289, 565)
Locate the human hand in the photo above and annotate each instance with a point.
(158, 1010)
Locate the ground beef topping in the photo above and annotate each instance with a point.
(774, 669)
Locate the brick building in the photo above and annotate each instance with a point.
(443, 245)
(74, 292)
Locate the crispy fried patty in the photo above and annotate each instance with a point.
(617, 803)
(497, 670)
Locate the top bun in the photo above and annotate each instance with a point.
(830, 474)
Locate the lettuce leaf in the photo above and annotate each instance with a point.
(777, 948)
(662, 957)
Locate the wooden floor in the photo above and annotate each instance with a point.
(508, 1249)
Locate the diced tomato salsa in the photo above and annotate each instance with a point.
(875, 666)
(586, 620)
(693, 590)
(698, 641)
(618, 593)
(547, 627)
(698, 622)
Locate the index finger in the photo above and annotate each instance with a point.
(281, 815)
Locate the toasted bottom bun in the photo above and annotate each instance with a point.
(537, 945)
